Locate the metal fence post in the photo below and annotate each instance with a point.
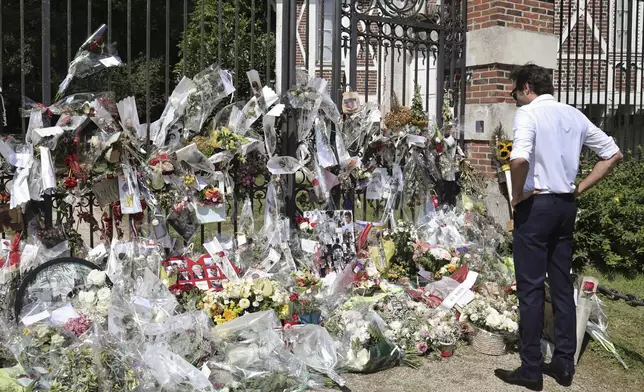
(46, 88)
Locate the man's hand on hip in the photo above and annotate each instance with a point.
(517, 199)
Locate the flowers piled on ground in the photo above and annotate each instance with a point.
(369, 349)
(306, 282)
(93, 300)
(246, 296)
(407, 322)
(365, 274)
(304, 309)
(444, 328)
(402, 264)
(493, 314)
(190, 298)
(39, 348)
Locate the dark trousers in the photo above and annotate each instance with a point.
(543, 242)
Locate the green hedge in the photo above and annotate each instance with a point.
(610, 225)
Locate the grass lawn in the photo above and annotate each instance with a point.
(625, 328)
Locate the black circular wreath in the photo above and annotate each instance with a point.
(32, 275)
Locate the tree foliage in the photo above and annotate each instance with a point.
(242, 48)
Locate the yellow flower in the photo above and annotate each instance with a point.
(189, 179)
(283, 312)
(451, 268)
(229, 315)
(616, 198)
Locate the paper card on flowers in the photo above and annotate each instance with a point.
(129, 193)
(309, 246)
(210, 213)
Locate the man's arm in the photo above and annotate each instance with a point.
(600, 170)
(604, 146)
(522, 149)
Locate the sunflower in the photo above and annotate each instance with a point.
(504, 150)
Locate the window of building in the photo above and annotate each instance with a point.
(325, 31)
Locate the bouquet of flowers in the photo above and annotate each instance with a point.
(246, 296)
(367, 349)
(93, 300)
(402, 264)
(365, 275)
(407, 322)
(444, 328)
(211, 196)
(306, 282)
(39, 348)
(304, 309)
(493, 314)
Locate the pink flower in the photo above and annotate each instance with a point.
(77, 326)
(421, 347)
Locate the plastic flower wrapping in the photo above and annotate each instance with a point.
(270, 301)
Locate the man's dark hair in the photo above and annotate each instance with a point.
(538, 78)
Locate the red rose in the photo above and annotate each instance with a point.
(221, 254)
(316, 182)
(314, 224)
(439, 147)
(296, 317)
(589, 286)
(293, 297)
(70, 183)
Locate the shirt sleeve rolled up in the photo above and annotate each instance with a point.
(524, 136)
(599, 142)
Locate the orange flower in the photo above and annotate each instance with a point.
(213, 195)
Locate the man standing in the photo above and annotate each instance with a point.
(548, 139)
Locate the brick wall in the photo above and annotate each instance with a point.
(481, 155)
(490, 84)
(530, 15)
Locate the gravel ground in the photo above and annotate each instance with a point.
(467, 370)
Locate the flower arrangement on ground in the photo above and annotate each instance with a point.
(246, 296)
(367, 348)
(93, 300)
(306, 282)
(493, 314)
(402, 264)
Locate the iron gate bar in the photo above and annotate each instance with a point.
(22, 60)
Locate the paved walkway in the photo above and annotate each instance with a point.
(466, 371)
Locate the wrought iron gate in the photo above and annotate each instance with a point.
(375, 47)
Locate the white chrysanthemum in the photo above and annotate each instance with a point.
(256, 304)
(244, 303)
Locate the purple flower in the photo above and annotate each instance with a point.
(421, 347)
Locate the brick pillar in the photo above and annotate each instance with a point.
(501, 35)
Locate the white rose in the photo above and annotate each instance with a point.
(362, 358)
(86, 297)
(104, 294)
(244, 303)
(256, 304)
(493, 320)
(259, 298)
(304, 226)
(474, 317)
(96, 278)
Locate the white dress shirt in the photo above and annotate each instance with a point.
(550, 136)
